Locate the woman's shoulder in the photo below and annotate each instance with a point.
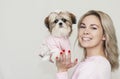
(94, 67)
(97, 60)
(96, 63)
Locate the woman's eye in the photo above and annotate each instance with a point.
(82, 26)
(94, 28)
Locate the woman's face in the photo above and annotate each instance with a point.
(91, 32)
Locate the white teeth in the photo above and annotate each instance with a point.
(86, 39)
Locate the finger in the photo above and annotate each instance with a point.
(64, 56)
(63, 50)
(57, 60)
(61, 57)
(68, 57)
(73, 64)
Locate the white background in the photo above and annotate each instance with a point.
(22, 30)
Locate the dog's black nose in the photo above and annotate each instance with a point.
(60, 23)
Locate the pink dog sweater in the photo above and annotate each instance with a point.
(53, 45)
(61, 43)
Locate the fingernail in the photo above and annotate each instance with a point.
(56, 57)
(63, 50)
(76, 59)
(61, 53)
(69, 51)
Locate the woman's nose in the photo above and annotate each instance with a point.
(86, 31)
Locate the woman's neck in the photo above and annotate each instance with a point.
(95, 52)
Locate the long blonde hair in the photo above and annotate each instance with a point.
(110, 44)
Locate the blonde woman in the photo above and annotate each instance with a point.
(96, 35)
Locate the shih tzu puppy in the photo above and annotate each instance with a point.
(59, 25)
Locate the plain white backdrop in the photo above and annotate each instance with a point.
(22, 30)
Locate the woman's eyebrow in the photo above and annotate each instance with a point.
(82, 23)
(97, 25)
(94, 25)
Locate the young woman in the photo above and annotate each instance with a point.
(96, 35)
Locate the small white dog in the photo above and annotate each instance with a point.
(59, 25)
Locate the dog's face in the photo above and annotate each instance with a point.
(60, 24)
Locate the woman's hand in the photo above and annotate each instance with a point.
(63, 62)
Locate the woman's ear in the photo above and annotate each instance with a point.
(104, 37)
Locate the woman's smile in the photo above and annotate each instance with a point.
(86, 39)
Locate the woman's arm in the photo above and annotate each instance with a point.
(62, 75)
(63, 63)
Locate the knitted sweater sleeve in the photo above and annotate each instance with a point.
(62, 75)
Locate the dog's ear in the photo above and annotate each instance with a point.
(73, 18)
(46, 21)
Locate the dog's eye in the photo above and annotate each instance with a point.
(64, 20)
(56, 21)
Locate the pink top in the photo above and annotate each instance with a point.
(58, 43)
(54, 45)
(95, 67)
